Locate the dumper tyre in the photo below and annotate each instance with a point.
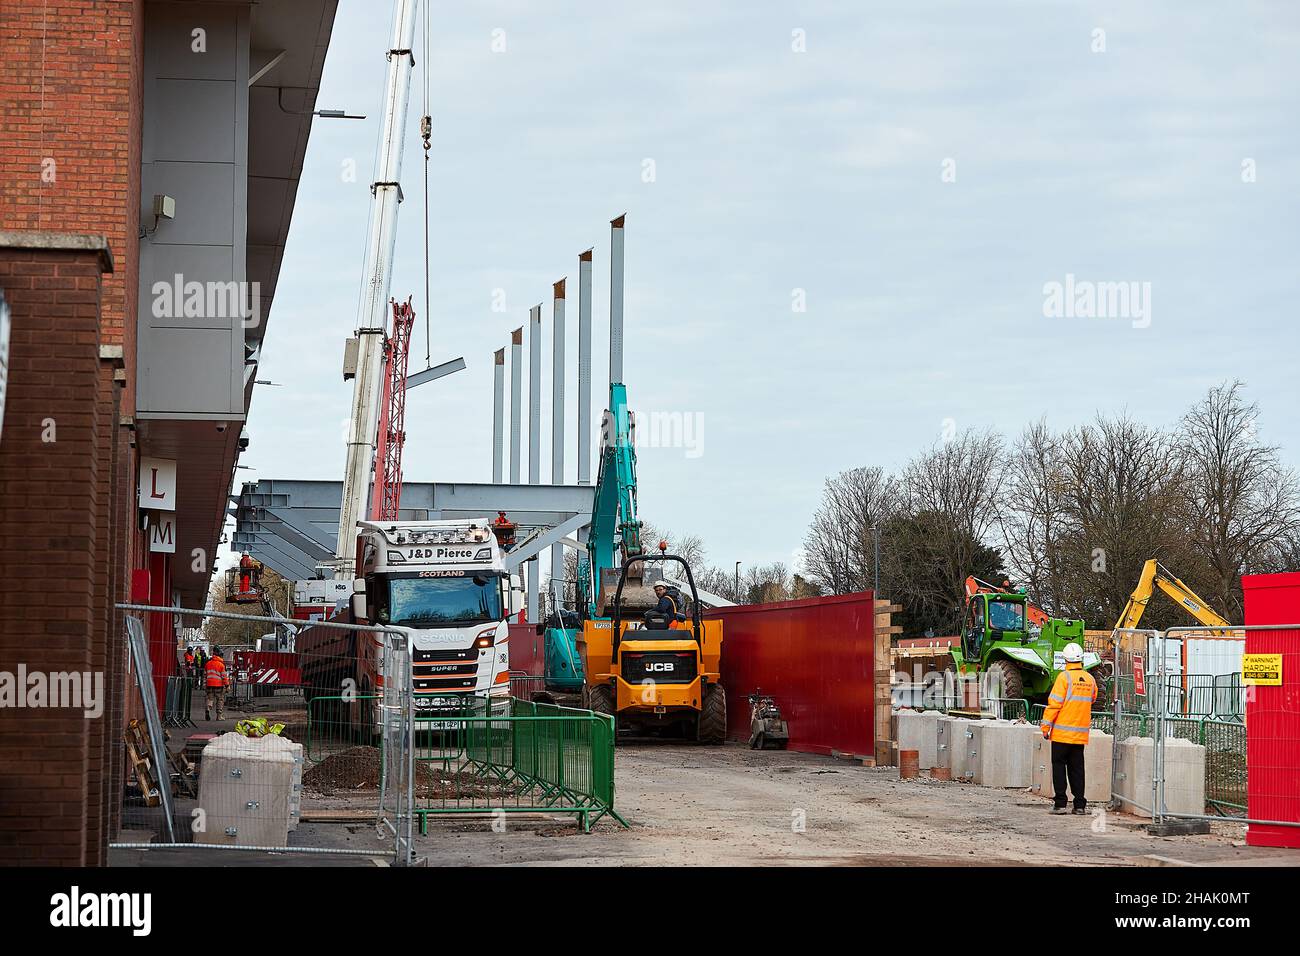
(600, 698)
(1013, 682)
(713, 716)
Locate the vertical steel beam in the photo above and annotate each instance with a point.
(534, 440)
(534, 589)
(498, 414)
(535, 394)
(557, 419)
(516, 400)
(557, 386)
(616, 300)
(584, 368)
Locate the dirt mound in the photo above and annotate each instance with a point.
(358, 768)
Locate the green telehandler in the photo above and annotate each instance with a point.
(1014, 657)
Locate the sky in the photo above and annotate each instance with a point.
(844, 220)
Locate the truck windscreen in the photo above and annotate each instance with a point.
(435, 602)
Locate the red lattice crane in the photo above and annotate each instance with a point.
(387, 493)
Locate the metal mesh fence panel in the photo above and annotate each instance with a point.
(251, 739)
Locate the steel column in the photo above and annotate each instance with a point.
(584, 368)
(535, 395)
(516, 400)
(557, 425)
(498, 414)
(616, 300)
(534, 442)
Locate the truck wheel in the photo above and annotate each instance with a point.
(713, 716)
(1008, 675)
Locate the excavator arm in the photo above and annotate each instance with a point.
(613, 513)
(1154, 576)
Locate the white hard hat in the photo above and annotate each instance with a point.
(1073, 653)
(660, 584)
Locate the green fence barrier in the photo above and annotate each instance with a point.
(516, 757)
(1225, 765)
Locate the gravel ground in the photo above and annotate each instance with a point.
(730, 806)
(692, 805)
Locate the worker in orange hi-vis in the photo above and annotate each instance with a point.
(217, 679)
(1066, 722)
(245, 572)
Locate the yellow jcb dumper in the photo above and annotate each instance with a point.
(653, 671)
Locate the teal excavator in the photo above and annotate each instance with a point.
(614, 535)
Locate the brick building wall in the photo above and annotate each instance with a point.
(70, 92)
(71, 97)
(53, 517)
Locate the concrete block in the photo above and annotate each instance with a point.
(917, 730)
(1002, 753)
(1184, 775)
(1096, 767)
(954, 742)
(244, 789)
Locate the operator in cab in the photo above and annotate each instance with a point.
(666, 603)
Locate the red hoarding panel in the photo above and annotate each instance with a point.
(1273, 713)
(526, 649)
(815, 657)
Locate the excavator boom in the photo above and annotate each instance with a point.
(1155, 576)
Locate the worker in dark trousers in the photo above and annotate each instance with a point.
(217, 680)
(1066, 722)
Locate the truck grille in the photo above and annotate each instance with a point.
(434, 670)
(662, 667)
(430, 657)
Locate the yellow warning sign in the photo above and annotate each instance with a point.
(1262, 670)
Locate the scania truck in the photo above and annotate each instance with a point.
(445, 585)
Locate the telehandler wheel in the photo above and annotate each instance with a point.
(1010, 678)
(713, 716)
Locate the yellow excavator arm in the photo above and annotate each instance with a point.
(1153, 576)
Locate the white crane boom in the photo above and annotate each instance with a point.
(372, 315)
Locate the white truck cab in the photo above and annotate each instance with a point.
(445, 584)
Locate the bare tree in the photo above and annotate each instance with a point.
(1241, 504)
(953, 496)
(1123, 486)
(1035, 519)
(839, 548)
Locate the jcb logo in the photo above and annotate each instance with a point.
(658, 666)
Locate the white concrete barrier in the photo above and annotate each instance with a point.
(919, 731)
(1002, 753)
(955, 744)
(1184, 775)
